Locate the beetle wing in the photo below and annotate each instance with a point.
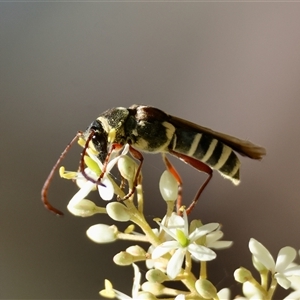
(243, 147)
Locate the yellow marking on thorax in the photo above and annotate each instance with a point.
(111, 135)
(105, 124)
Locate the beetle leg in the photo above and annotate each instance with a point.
(81, 164)
(200, 166)
(138, 156)
(177, 177)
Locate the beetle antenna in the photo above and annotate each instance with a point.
(51, 175)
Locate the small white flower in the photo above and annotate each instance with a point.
(106, 189)
(174, 222)
(280, 269)
(184, 242)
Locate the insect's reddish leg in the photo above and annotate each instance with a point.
(200, 166)
(137, 155)
(111, 150)
(81, 168)
(173, 171)
(50, 177)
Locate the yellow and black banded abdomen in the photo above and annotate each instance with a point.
(209, 150)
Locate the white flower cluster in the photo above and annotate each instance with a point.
(174, 245)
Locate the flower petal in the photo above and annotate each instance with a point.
(164, 248)
(106, 192)
(82, 193)
(136, 281)
(201, 253)
(171, 233)
(175, 263)
(282, 280)
(186, 224)
(285, 256)
(214, 236)
(293, 271)
(203, 230)
(262, 254)
(220, 244)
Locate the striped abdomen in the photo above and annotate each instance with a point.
(209, 150)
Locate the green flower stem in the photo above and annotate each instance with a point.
(272, 289)
(132, 237)
(264, 279)
(138, 219)
(170, 208)
(100, 210)
(117, 189)
(189, 282)
(140, 198)
(258, 287)
(203, 270)
(188, 262)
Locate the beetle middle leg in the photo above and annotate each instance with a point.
(177, 177)
(138, 156)
(200, 166)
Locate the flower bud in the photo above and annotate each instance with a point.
(123, 259)
(84, 208)
(136, 251)
(156, 275)
(102, 233)
(168, 186)
(127, 167)
(118, 211)
(154, 288)
(108, 292)
(206, 289)
(242, 275)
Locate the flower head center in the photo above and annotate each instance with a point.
(181, 238)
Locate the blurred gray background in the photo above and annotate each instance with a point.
(234, 67)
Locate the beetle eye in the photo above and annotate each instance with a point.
(100, 143)
(99, 138)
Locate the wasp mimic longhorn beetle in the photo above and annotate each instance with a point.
(148, 129)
